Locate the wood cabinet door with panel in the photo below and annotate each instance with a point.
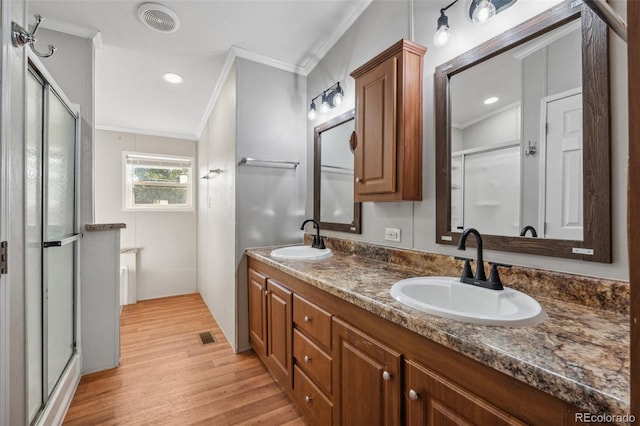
(279, 329)
(388, 137)
(258, 312)
(431, 399)
(366, 377)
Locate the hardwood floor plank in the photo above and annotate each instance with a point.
(168, 377)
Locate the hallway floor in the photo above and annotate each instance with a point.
(168, 377)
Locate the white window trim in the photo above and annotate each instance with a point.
(126, 183)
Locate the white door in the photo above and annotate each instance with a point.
(561, 193)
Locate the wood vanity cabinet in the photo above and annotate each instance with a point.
(270, 325)
(342, 365)
(431, 399)
(367, 379)
(388, 136)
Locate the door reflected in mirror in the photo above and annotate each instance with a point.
(334, 207)
(516, 140)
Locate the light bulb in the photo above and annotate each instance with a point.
(337, 99)
(312, 114)
(325, 107)
(443, 33)
(484, 11)
(441, 37)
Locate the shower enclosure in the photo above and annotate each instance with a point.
(51, 235)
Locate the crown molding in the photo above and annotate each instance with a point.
(184, 136)
(341, 29)
(239, 52)
(74, 30)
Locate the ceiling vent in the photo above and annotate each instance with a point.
(158, 17)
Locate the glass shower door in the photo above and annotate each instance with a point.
(51, 238)
(59, 234)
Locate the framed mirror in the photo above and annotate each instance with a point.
(333, 205)
(522, 139)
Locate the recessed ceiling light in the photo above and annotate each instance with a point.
(491, 100)
(172, 77)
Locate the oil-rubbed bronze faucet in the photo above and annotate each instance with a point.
(318, 241)
(480, 278)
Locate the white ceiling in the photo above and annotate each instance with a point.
(131, 94)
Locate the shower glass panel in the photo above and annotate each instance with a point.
(33, 236)
(59, 207)
(50, 231)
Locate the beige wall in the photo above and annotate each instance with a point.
(167, 240)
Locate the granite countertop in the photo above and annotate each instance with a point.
(580, 354)
(97, 227)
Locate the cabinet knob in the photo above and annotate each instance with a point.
(307, 399)
(358, 180)
(307, 319)
(413, 395)
(386, 375)
(307, 358)
(353, 142)
(266, 292)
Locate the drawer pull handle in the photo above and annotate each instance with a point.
(307, 358)
(307, 399)
(307, 318)
(386, 375)
(413, 395)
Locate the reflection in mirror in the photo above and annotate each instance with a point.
(529, 168)
(334, 207)
(516, 140)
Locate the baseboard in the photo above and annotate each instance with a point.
(60, 400)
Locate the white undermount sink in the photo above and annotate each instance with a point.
(449, 298)
(301, 253)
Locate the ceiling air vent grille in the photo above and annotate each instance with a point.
(158, 17)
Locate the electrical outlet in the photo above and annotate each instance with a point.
(392, 234)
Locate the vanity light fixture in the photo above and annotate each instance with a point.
(329, 98)
(479, 11)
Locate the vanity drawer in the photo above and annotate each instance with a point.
(312, 400)
(315, 322)
(313, 360)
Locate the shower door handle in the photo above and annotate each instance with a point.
(62, 242)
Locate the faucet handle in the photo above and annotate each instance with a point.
(466, 270)
(494, 277)
(320, 244)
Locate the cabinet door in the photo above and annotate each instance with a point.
(279, 329)
(433, 400)
(258, 312)
(366, 379)
(375, 153)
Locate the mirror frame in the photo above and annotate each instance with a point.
(355, 226)
(596, 136)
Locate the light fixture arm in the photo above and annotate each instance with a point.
(21, 37)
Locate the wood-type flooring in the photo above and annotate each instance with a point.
(168, 377)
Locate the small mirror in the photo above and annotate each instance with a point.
(333, 205)
(522, 138)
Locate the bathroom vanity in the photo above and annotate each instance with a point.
(347, 353)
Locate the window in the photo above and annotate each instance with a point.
(157, 182)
